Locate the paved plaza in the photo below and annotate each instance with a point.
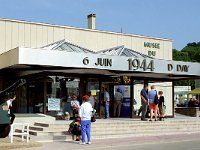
(173, 142)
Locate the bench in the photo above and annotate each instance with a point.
(19, 129)
(188, 111)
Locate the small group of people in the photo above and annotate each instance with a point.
(82, 122)
(157, 110)
(118, 99)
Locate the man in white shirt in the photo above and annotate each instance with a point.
(10, 112)
(107, 103)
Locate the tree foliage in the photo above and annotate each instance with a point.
(180, 56)
(191, 52)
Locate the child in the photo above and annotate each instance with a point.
(75, 128)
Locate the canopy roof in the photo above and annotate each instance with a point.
(64, 45)
(195, 91)
(123, 51)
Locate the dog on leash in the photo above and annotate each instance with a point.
(67, 115)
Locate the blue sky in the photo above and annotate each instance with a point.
(178, 20)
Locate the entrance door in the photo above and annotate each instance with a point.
(125, 106)
(36, 96)
(110, 88)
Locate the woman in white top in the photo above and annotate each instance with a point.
(85, 113)
(75, 105)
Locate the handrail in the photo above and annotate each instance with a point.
(3, 94)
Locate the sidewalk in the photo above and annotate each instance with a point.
(132, 143)
(5, 143)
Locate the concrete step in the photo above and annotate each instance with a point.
(48, 133)
(51, 125)
(139, 134)
(50, 129)
(145, 129)
(107, 132)
(143, 125)
(120, 127)
(133, 123)
(119, 130)
(36, 128)
(47, 138)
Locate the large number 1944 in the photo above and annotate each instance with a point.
(136, 64)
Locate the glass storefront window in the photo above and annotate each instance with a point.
(137, 87)
(93, 87)
(166, 88)
(59, 92)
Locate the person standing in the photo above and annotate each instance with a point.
(144, 101)
(10, 109)
(91, 99)
(107, 103)
(118, 97)
(161, 105)
(75, 105)
(153, 107)
(85, 114)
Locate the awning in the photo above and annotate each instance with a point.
(195, 91)
(66, 57)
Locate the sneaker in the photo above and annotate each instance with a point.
(82, 143)
(89, 143)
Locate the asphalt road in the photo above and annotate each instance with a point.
(167, 142)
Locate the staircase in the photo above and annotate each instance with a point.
(50, 132)
(116, 128)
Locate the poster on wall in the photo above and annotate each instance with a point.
(125, 90)
(53, 104)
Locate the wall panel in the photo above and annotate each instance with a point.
(2, 36)
(27, 35)
(44, 35)
(39, 36)
(33, 36)
(15, 35)
(21, 34)
(8, 35)
(50, 35)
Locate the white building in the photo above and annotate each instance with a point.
(58, 61)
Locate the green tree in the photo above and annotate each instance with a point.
(180, 56)
(191, 52)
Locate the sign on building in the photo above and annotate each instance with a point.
(53, 104)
